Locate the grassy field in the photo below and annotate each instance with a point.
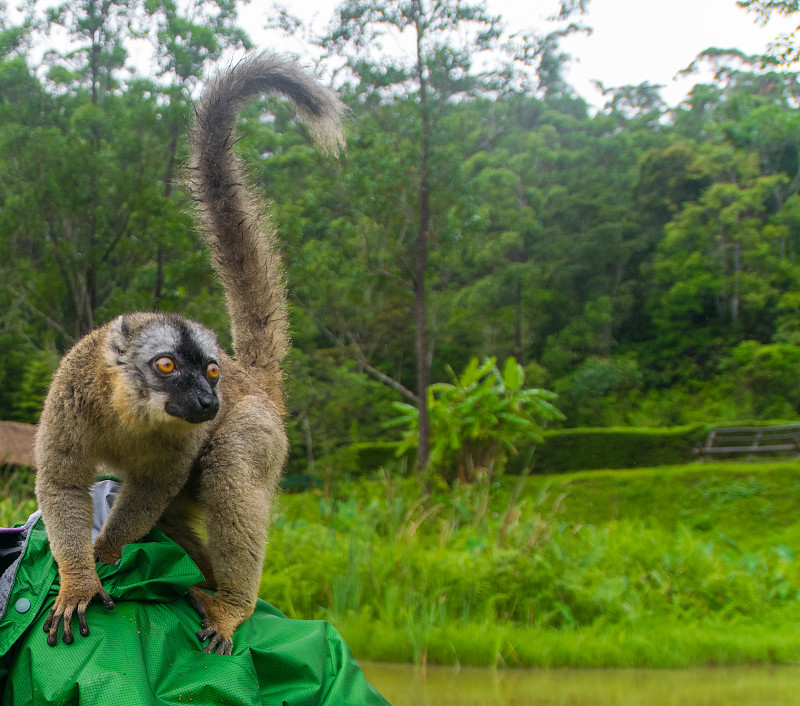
(664, 567)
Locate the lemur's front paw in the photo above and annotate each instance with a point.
(74, 596)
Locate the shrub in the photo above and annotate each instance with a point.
(592, 393)
(479, 420)
(629, 447)
(767, 378)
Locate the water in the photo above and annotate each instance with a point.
(405, 685)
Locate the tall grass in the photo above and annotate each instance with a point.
(481, 573)
(16, 496)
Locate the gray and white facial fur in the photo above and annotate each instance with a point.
(168, 368)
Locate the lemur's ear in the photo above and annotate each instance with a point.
(118, 334)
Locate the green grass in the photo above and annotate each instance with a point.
(754, 504)
(16, 496)
(652, 643)
(664, 567)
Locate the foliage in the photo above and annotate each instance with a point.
(448, 38)
(479, 420)
(16, 497)
(567, 450)
(625, 258)
(767, 378)
(785, 47)
(566, 562)
(593, 393)
(336, 412)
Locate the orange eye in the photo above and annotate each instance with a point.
(212, 371)
(165, 365)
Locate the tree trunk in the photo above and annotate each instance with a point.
(421, 256)
(168, 178)
(518, 343)
(735, 295)
(309, 443)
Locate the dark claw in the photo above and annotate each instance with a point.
(53, 620)
(66, 610)
(84, 627)
(68, 637)
(107, 600)
(219, 646)
(209, 648)
(49, 621)
(207, 632)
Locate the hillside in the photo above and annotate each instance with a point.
(671, 566)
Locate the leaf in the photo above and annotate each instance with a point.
(513, 375)
(485, 368)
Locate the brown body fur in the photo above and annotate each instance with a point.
(225, 470)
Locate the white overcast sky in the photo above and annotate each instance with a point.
(632, 40)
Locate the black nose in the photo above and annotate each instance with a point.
(207, 406)
(208, 402)
(201, 408)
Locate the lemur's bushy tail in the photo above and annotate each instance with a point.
(240, 236)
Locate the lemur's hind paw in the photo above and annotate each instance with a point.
(220, 641)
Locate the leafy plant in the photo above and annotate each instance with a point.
(479, 419)
(16, 495)
(766, 378)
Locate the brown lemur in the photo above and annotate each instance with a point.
(189, 430)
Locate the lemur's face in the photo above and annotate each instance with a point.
(168, 368)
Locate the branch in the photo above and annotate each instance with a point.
(408, 284)
(383, 377)
(361, 359)
(380, 270)
(52, 322)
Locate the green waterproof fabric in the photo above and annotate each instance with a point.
(145, 650)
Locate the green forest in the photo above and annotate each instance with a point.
(642, 261)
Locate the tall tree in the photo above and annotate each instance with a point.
(445, 41)
(437, 71)
(88, 208)
(786, 47)
(187, 38)
(724, 265)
